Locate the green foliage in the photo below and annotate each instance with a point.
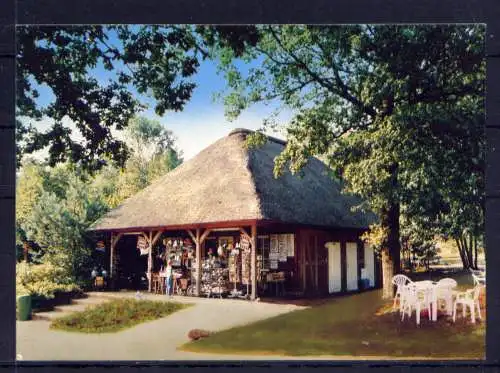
(397, 110)
(116, 315)
(42, 280)
(148, 137)
(56, 205)
(375, 236)
(153, 155)
(28, 190)
(57, 222)
(59, 62)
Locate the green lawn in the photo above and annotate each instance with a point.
(352, 325)
(115, 315)
(463, 278)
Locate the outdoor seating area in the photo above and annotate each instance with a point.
(429, 297)
(479, 276)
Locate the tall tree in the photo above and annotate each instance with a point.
(66, 205)
(153, 154)
(397, 110)
(158, 61)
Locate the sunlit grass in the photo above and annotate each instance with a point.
(354, 325)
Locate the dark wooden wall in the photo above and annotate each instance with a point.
(311, 259)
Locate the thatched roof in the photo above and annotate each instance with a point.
(228, 182)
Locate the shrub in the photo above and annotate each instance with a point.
(43, 280)
(116, 315)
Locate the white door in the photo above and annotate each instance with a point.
(369, 264)
(352, 265)
(334, 274)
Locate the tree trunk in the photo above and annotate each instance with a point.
(391, 254)
(26, 251)
(475, 253)
(388, 273)
(468, 251)
(463, 252)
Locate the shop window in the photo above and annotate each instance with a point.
(263, 252)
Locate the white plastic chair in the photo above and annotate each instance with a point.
(425, 283)
(470, 299)
(415, 299)
(400, 281)
(479, 277)
(444, 292)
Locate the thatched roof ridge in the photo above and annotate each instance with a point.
(245, 132)
(228, 182)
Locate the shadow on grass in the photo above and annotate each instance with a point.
(357, 325)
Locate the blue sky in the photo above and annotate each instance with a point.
(200, 123)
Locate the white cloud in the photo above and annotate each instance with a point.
(194, 131)
(193, 135)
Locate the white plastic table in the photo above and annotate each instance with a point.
(431, 289)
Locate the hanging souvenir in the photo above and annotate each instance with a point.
(100, 246)
(245, 267)
(142, 245)
(220, 251)
(141, 242)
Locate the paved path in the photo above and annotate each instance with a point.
(155, 340)
(159, 339)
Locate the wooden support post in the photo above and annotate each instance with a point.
(253, 263)
(114, 241)
(197, 241)
(111, 257)
(155, 238)
(316, 266)
(193, 237)
(245, 234)
(205, 235)
(303, 248)
(150, 261)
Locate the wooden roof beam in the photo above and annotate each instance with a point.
(191, 234)
(204, 235)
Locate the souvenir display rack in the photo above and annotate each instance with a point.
(234, 266)
(214, 278)
(227, 268)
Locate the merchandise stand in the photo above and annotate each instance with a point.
(227, 270)
(235, 273)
